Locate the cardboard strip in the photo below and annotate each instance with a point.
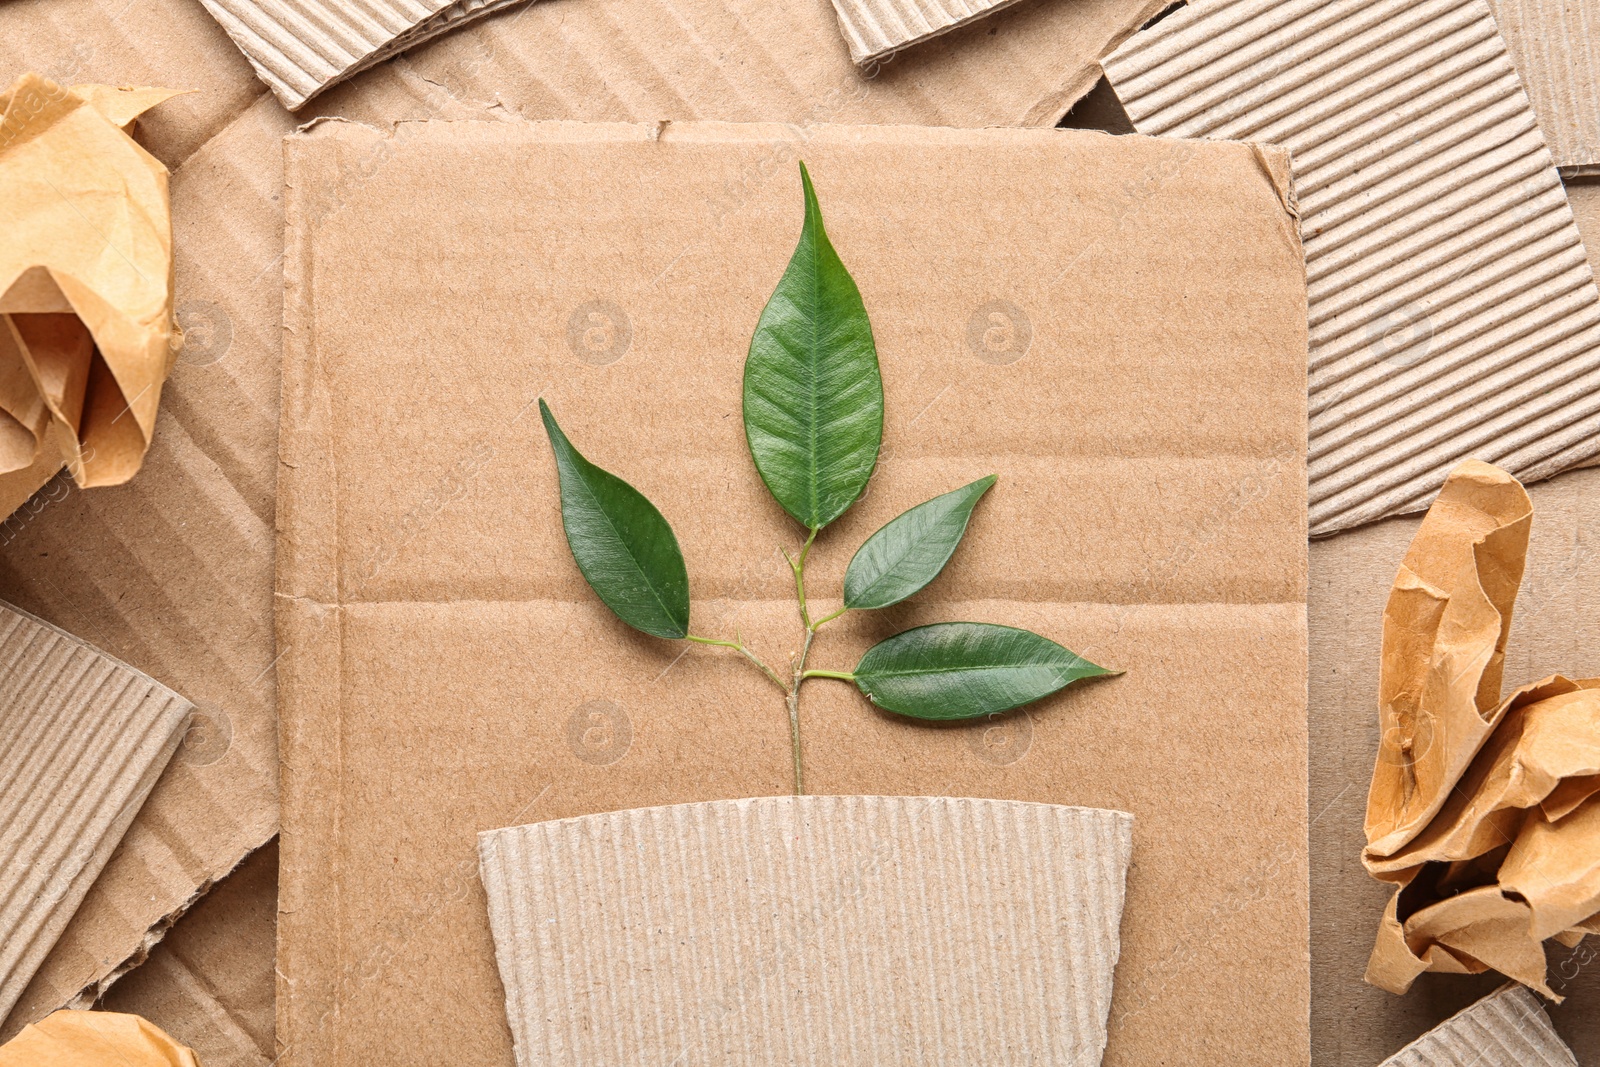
(1453, 313)
(1508, 1028)
(82, 739)
(727, 931)
(879, 28)
(1555, 45)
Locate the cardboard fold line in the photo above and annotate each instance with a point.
(800, 919)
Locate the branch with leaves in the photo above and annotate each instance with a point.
(813, 419)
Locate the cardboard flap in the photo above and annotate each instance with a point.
(446, 671)
(739, 927)
(82, 739)
(1453, 312)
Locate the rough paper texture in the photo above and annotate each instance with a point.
(876, 29)
(82, 739)
(1506, 1029)
(441, 643)
(1453, 312)
(802, 917)
(1483, 811)
(1555, 45)
(86, 332)
(182, 578)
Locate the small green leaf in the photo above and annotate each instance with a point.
(961, 670)
(813, 395)
(911, 550)
(625, 549)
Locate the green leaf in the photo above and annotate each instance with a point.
(813, 396)
(961, 670)
(911, 550)
(625, 549)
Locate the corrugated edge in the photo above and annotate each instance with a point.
(790, 923)
(1452, 202)
(300, 47)
(1508, 1028)
(1556, 48)
(84, 736)
(875, 29)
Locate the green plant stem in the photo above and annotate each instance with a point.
(794, 712)
(798, 565)
(738, 646)
(828, 618)
(843, 676)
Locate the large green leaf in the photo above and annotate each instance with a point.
(911, 550)
(961, 670)
(625, 549)
(813, 396)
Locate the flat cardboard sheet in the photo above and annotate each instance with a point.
(438, 639)
(1555, 45)
(1553, 629)
(183, 554)
(739, 928)
(1453, 312)
(1508, 1028)
(876, 29)
(82, 739)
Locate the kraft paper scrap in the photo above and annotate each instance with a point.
(94, 1039)
(875, 29)
(1508, 1028)
(86, 328)
(1453, 313)
(83, 738)
(818, 930)
(1485, 812)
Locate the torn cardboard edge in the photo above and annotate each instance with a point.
(791, 915)
(1508, 1028)
(85, 737)
(1453, 311)
(877, 29)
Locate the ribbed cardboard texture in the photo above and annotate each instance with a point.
(82, 739)
(183, 554)
(447, 672)
(1453, 312)
(743, 931)
(1555, 45)
(876, 29)
(1506, 1029)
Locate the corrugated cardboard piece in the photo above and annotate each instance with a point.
(743, 931)
(1484, 811)
(446, 671)
(184, 598)
(1554, 45)
(1506, 1029)
(86, 331)
(82, 739)
(876, 29)
(1453, 313)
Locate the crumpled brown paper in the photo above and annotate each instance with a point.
(94, 1039)
(86, 328)
(1486, 812)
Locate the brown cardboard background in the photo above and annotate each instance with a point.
(435, 681)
